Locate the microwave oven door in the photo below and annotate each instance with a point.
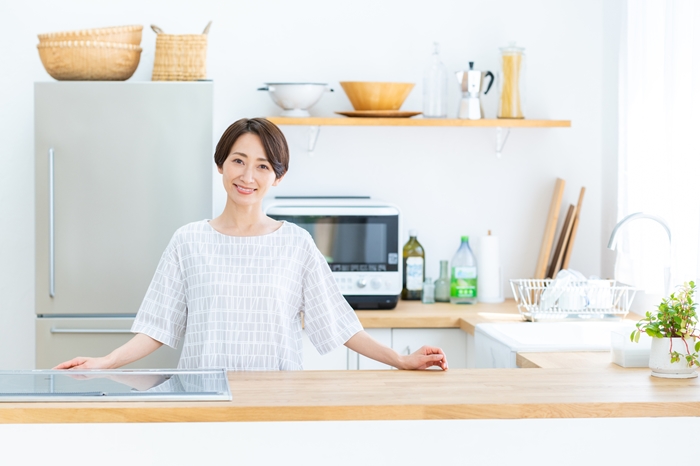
(362, 250)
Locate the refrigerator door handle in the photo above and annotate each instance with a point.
(119, 331)
(52, 268)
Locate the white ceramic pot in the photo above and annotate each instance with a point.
(296, 98)
(660, 358)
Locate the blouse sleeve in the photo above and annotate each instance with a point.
(163, 312)
(328, 318)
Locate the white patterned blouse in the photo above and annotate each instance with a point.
(237, 300)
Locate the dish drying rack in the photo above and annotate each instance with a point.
(540, 300)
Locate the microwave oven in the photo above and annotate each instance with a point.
(358, 236)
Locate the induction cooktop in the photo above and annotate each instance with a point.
(114, 385)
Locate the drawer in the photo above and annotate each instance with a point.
(61, 339)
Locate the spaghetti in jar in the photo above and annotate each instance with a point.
(511, 82)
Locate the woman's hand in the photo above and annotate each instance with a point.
(80, 363)
(425, 357)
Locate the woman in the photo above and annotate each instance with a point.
(234, 287)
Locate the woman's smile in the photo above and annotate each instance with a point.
(243, 190)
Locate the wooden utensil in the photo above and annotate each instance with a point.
(550, 229)
(570, 243)
(558, 256)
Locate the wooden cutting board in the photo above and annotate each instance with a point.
(574, 229)
(558, 256)
(550, 229)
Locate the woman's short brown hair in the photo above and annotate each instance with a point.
(273, 142)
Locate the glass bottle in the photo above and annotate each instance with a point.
(464, 275)
(435, 87)
(413, 268)
(442, 284)
(511, 82)
(428, 291)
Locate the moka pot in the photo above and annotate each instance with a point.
(472, 84)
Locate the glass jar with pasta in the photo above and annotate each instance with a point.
(511, 82)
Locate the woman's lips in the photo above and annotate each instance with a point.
(243, 190)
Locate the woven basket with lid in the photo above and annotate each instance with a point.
(120, 34)
(89, 60)
(180, 57)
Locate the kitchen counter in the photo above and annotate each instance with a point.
(559, 385)
(400, 395)
(415, 314)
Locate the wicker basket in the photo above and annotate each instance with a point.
(122, 34)
(180, 57)
(89, 60)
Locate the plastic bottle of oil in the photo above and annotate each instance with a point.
(464, 275)
(413, 268)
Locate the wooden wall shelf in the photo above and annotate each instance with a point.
(347, 121)
(315, 123)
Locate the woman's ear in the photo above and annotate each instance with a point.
(277, 181)
(221, 170)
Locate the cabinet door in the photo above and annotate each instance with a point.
(130, 163)
(336, 360)
(59, 339)
(383, 336)
(453, 342)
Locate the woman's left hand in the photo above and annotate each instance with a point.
(425, 357)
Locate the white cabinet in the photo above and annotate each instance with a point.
(453, 342)
(357, 361)
(336, 360)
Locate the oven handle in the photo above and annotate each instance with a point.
(333, 211)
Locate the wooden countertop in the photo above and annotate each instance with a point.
(414, 314)
(401, 395)
(560, 385)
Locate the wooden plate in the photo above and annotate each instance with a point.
(379, 114)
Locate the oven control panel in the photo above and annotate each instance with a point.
(368, 283)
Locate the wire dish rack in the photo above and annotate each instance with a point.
(548, 299)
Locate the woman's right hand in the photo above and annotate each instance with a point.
(85, 363)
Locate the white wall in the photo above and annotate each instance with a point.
(447, 180)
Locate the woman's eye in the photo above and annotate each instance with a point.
(264, 166)
(237, 161)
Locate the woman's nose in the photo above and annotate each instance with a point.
(247, 174)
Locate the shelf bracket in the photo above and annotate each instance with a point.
(501, 140)
(313, 138)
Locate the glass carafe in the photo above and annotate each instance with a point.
(442, 284)
(511, 82)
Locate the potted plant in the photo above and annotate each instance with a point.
(674, 328)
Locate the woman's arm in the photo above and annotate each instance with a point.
(138, 347)
(425, 357)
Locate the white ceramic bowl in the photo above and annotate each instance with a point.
(296, 98)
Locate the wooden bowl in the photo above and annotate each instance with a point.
(366, 95)
(89, 60)
(123, 34)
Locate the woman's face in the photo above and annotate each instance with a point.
(247, 173)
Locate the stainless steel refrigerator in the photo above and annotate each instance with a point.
(119, 167)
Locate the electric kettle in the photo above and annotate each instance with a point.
(472, 83)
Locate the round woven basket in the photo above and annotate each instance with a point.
(123, 34)
(89, 60)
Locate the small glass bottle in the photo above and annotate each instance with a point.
(442, 284)
(413, 268)
(464, 275)
(511, 82)
(435, 87)
(428, 291)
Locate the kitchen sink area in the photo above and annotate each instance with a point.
(497, 344)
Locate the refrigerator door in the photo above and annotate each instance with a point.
(119, 167)
(61, 339)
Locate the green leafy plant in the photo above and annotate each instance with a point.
(676, 317)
